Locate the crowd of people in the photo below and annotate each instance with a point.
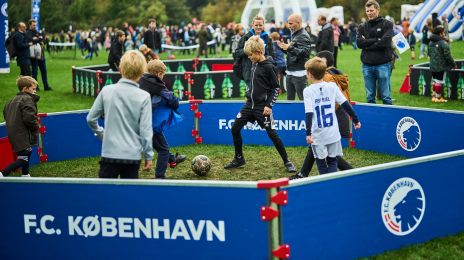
(263, 58)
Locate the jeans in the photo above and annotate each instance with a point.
(422, 49)
(295, 85)
(377, 76)
(43, 70)
(161, 146)
(22, 162)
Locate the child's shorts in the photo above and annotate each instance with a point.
(328, 150)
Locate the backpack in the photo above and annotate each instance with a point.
(341, 80)
(9, 45)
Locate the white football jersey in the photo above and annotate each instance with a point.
(320, 99)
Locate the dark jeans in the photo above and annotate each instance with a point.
(295, 85)
(327, 165)
(22, 162)
(162, 147)
(43, 71)
(266, 122)
(114, 170)
(25, 69)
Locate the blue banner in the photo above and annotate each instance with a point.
(35, 12)
(4, 57)
(71, 219)
(376, 210)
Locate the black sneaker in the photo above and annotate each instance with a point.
(235, 163)
(180, 158)
(299, 175)
(290, 167)
(47, 88)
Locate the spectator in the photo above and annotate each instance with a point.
(203, 41)
(375, 40)
(440, 62)
(280, 58)
(325, 38)
(258, 29)
(22, 124)
(445, 24)
(297, 54)
(336, 37)
(426, 32)
(128, 121)
(152, 37)
(36, 42)
(312, 41)
(116, 50)
(236, 38)
(412, 42)
(23, 57)
(353, 27)
(435, 21)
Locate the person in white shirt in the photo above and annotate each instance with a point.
(322, 131)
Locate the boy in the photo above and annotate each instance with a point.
(322, 131)
(440, 61)
(261, 96)
(128, 118)
(22, 124)
(161, 98)
(332, 74)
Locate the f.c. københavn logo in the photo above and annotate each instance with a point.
(403, 206)
(408, 134)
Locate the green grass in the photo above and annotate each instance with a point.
(61, 99)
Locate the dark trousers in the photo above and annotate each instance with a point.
(40, 64)
(162, 148)
(114, 66)
(203, 49)
(309, 162)
(335, 55)
(22, 162)
(327, 165)
(295, 85)
(266, 122)
(25, 69)
(110, 170)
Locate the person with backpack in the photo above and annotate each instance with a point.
(37, 62)
(332, 74)
(21, 46)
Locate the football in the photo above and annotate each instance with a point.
(201, 165)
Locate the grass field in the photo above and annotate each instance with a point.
(61, 99)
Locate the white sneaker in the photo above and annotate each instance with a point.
(1, 175)
(27, 176)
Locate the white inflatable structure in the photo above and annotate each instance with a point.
(279, 10)
(453, 9)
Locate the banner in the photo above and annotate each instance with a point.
(4, 57)
(400, 42)
(35, 7)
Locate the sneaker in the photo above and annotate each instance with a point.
(441, 100)
(290, 167)
(299, 175)
(434, 99)
(27, 176)
(47, 88)
(235, 163)
(1, 175)
(177, 159)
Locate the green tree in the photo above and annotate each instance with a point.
(223, 11)
(177, 11)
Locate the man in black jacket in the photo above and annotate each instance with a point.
(261, 95)
(23, 57)
(325, 38)
(297, 54)
(152, 37)
(116, 50)
(38, 62)
(375, 39)
(22, 124)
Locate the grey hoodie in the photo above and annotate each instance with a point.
(128, 121)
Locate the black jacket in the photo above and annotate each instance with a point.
(263, 89)
(152, 39)
(23, 56)
(375, 39)
(116, 51)
(240, 53)
(325, 39)
(21, 121)
(298, 51)
(440, 54)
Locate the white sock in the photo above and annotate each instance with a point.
(27, 175)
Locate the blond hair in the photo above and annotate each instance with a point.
(253, 45)
(155, 67)
(372, 3)
(238, 28)
(132, 65)
(25, 82)
(143, 48)
(316, 67)
(275, 36)
(259, 17)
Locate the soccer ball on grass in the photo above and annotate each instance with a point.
(201, 165)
